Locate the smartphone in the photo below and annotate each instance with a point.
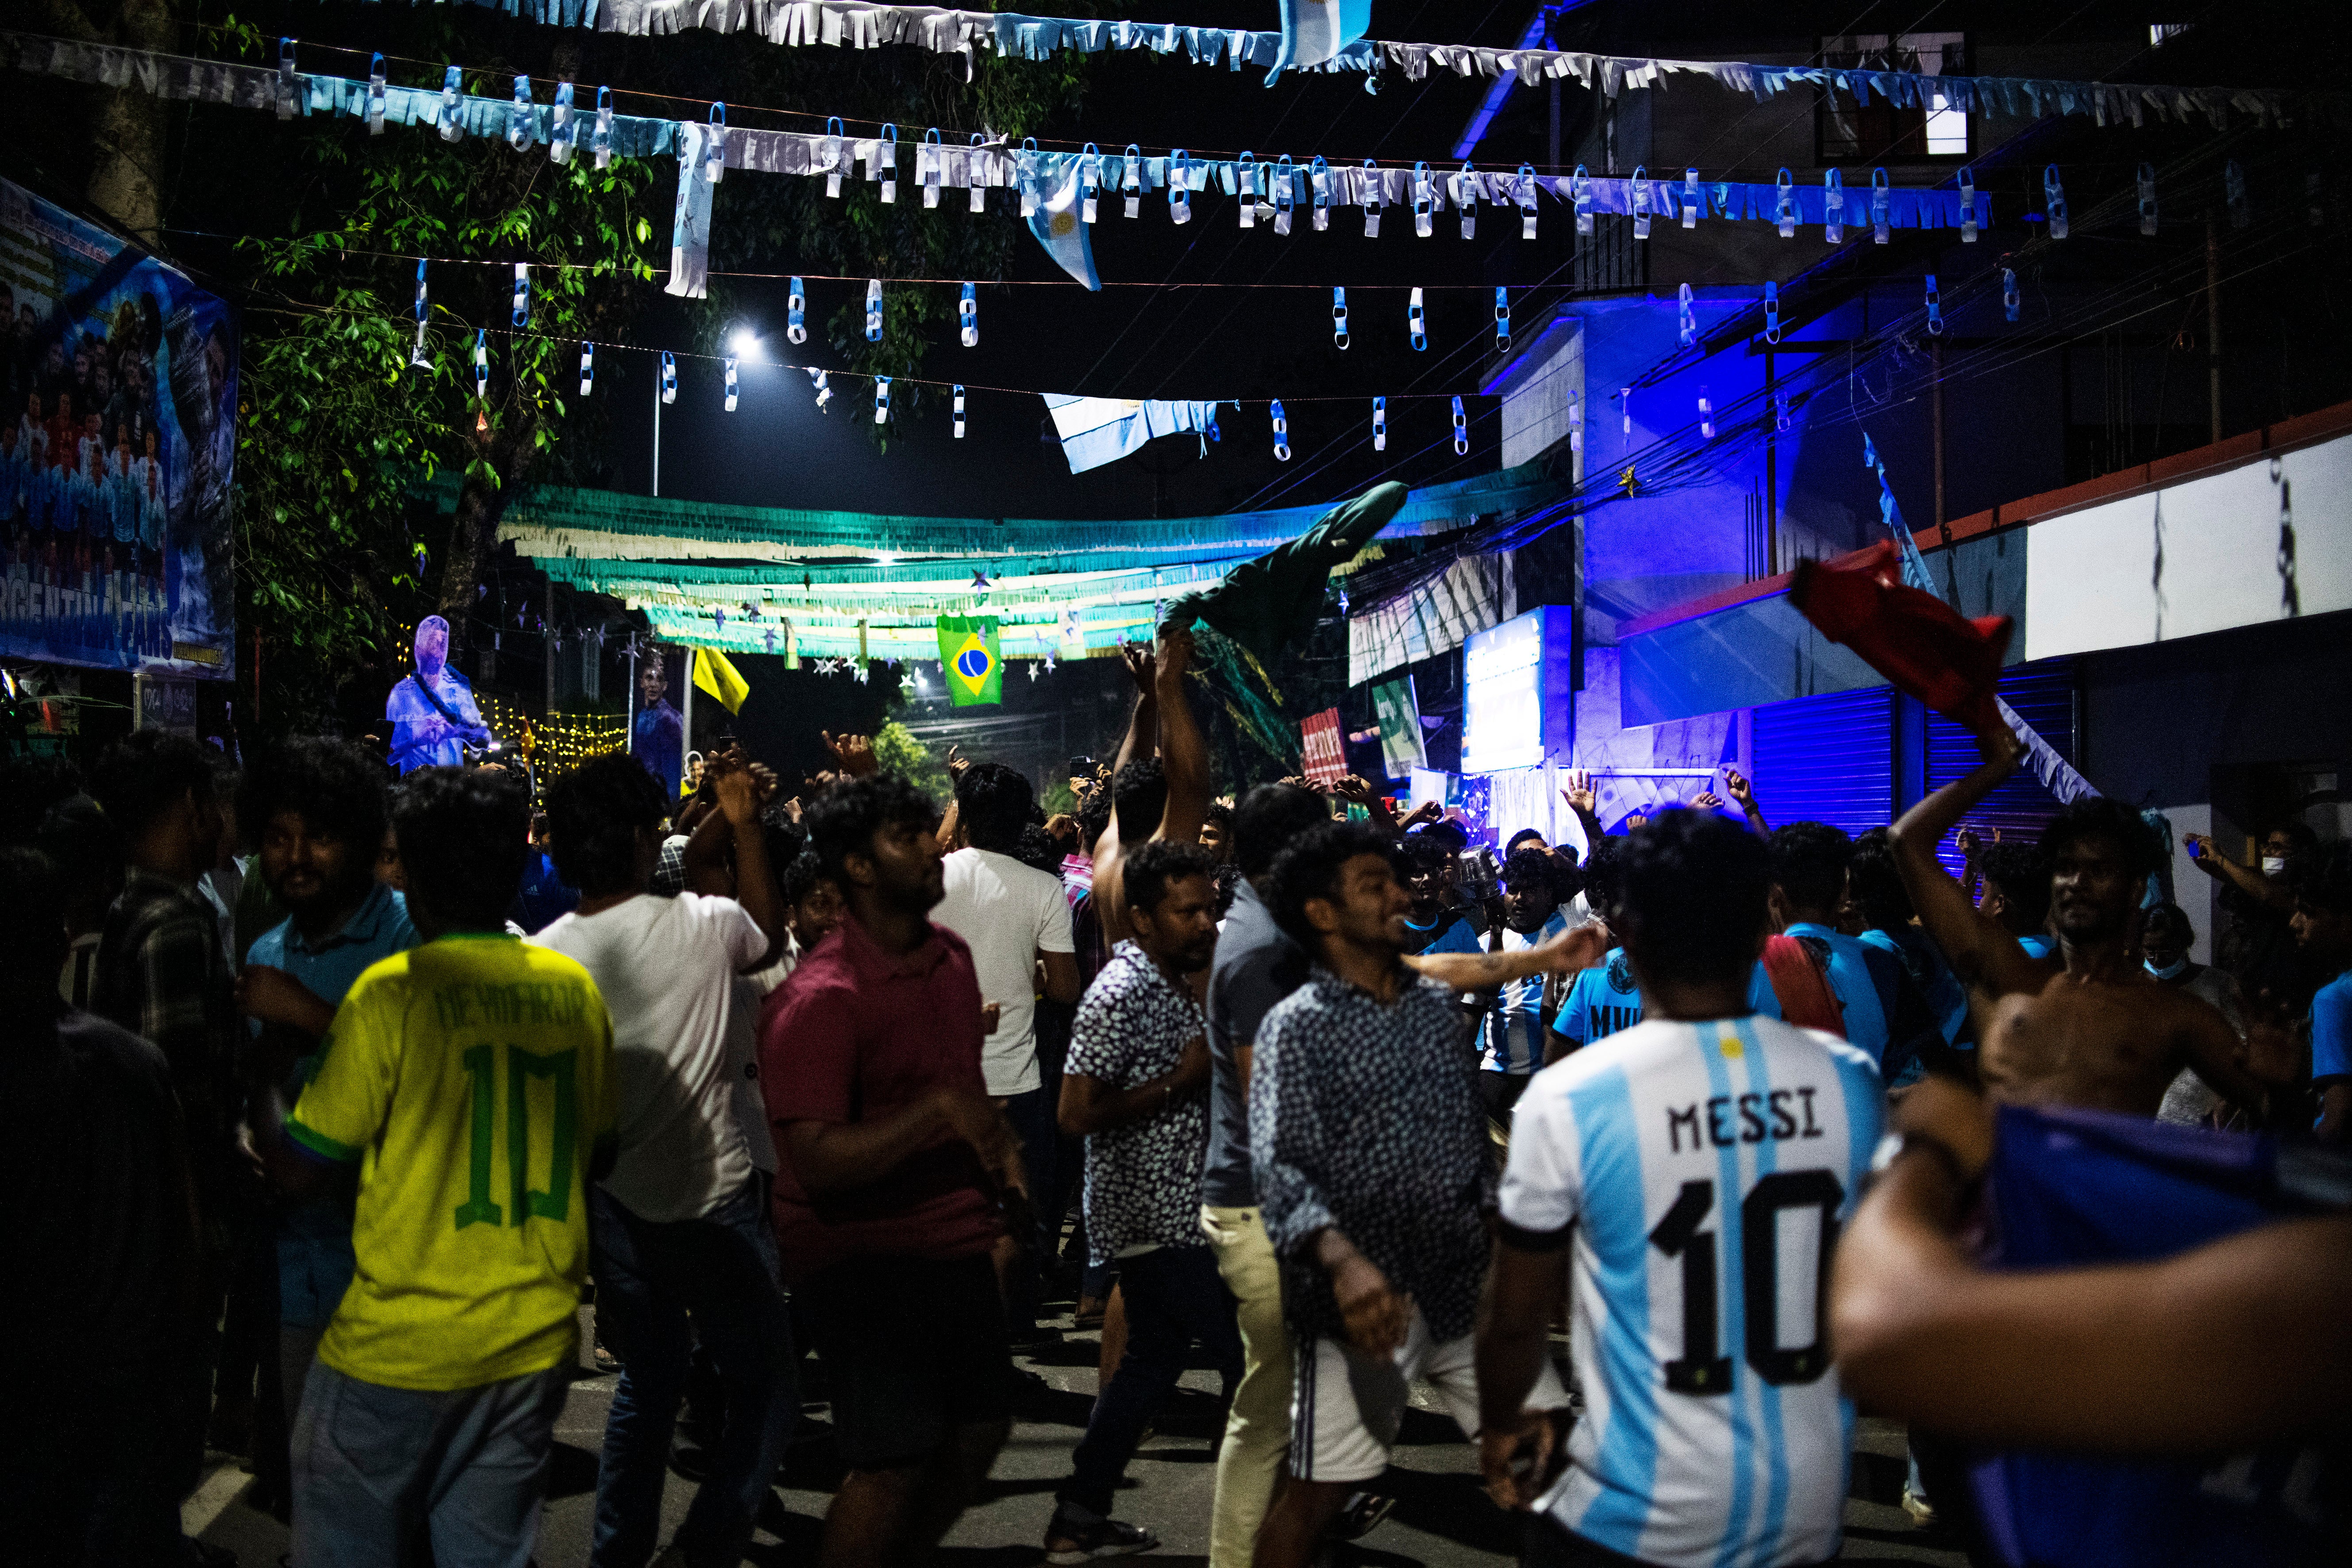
(2196, 850)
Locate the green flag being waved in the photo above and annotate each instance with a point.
(973, 659)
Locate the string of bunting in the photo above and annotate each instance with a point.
(1303, 46)
(1058, 191)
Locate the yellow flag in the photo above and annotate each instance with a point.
(714, 675)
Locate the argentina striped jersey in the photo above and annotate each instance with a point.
(1705, 1168)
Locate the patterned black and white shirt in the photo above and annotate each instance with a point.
(1143, 1180)
(1364, 1117)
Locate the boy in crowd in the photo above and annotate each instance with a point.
(470, 1080)
(1666, 1161)
(1512, 1038)
(316, 809)
(680, 1225)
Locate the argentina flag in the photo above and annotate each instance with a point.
(1315, 30)
(1055, 224)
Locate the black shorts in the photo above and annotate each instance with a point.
(913, 1349)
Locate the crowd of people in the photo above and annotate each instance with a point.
(315, 1150)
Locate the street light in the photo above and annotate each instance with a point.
(745, 342)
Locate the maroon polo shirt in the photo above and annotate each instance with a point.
(856, 1034)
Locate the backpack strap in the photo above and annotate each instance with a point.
(1802, 986)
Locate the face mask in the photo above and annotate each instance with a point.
(2173, 970)
(2273, 865)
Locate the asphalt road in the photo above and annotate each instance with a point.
(1443, 1518)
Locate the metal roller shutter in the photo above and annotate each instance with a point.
(2043, 696)
(1827, 759)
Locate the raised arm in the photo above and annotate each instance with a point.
(1981, 950)
(1579, 794)
(1582, 948)
(1742, 790)
(742, 791)
(2245, 878)
(1184, 748)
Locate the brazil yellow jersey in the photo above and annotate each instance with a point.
(472, 1080)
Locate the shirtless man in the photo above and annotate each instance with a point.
(2088, 1027)
(1155, 797)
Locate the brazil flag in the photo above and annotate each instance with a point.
(972, 658)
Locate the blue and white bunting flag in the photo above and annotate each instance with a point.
(1098, 430)
(689, 238)
(1055, 224)
(1315, 30)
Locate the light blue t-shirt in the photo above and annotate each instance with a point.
(315, 1262)
(2039, 946)
(2331, 1029)
(1511, 1035)
(1601, 1002)
(1452, 934)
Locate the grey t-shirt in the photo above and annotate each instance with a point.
(1256, 967)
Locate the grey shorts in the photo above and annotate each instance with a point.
(377, 1468)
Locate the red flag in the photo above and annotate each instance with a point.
(1914, 639)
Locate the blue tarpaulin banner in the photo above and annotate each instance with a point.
(118, 435)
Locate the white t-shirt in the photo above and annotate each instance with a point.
(667, 968)
(1007, 913)
(1697, 1174)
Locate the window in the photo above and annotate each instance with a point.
(1877, 131)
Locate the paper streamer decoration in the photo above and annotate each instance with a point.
(562, 131)
(881, 400)
(958, 411)
(670, 378)
(376, 95)
(417, 355)
(1880, 200)
(1379, 424)
(1281, 433)
(1245, 178)
(886, 150)
(1422, 200)
(1502, 319)
(874, 310)
(522, 294)
(481, 363)
(1935, 309)
(2010, 300)
(1285, 194)
(1179, 187)
(1461, 430)
(284, 78)
(1967, 206)
(1575, 420)
(1706, 414)
(1784, 205)
(450, 81)
(976, 175)
(1339, 316)
(1686, 322)
(730, 384)
(1372, 194)
(1416, 323)
(1625, 401)
(521, 120)
(1772, 311)
(1641, 202)
(1833, 207)
(2147, 199)
(599, 140)
(928, 160)
(587, 367)
(796, 312)
(1466, 198)
(1132, 189)
(830, 150)
(1524, 187)
(689, 236)
(1690, 198)
(818, 383)
(714, 145)
(2053, 202)
(1318, 180)
(1580, 196)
